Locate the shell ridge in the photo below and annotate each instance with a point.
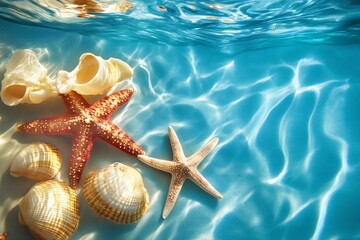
(117, 193)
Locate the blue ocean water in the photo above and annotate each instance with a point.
(276, 81)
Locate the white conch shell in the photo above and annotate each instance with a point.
(50, 210)
(25, 80)
(38, 161)
(117, 193)
(93, 75)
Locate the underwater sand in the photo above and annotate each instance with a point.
(280, 90)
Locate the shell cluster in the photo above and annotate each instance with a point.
(37, 161)
(50, 210)
(116, 193)
(93, 75)
(26, 80)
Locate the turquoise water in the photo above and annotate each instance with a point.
(277, 82)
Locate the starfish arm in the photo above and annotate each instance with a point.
(163, 165)
(197, 157)
(113, 135)
(56, 125)
(178, 153)
(197, 178)
(177, 181)
(105, 107)
(80, 154)
(74, 102)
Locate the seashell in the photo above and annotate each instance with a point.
(25, 80)
(50, 210)
(117, 193)
(38, 161)
(93, 75)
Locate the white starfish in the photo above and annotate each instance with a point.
(182, 168)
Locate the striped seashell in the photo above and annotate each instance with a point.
(116, 193)
(50, 210)
(37, 161)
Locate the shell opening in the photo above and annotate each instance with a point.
(15, 91)
(88, 68)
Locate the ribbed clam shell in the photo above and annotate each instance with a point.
(117, 193)
(50, 210)
(38, 161)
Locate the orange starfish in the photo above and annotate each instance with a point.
(86, 123)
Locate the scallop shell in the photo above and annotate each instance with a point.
(37, 161)
(117, 193)
(25, 80)
(50, 210)
(93, 75)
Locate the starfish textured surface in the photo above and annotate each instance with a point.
(86, 123)
(182, 168)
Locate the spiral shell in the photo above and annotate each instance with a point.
(38, 161)
(26, 80)
(93, 75)
(117, 193)
(50, 210)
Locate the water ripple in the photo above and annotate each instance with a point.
(229, 25)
